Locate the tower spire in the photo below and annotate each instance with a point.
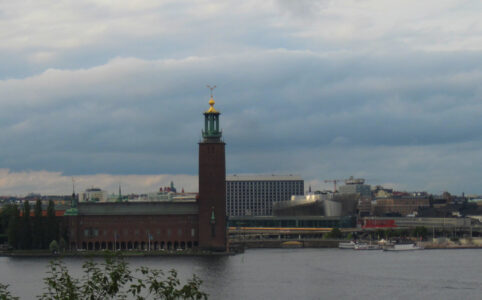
(211, 132)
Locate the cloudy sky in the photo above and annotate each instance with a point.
(112, 92)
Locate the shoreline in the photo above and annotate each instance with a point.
(88, 254)
(240, 248)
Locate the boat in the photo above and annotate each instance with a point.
(402, 247)
(292, 244)
(365, 246)
(349, 245)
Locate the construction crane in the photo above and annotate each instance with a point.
(334, 183)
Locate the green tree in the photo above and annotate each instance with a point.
(420, 232)
(13, 231)
(52, 227)
(5, 293)
(37, 227)
(25, 227)
(335, 233)
(114, 280)
(54, 246)
(5, 213)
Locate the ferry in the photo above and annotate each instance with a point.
(402, 247)
(365, 246)
(344, 245)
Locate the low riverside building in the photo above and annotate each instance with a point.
(402, 205)
(135, 225)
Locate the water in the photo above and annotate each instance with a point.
(299, 274)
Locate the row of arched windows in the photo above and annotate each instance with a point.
(135, 245)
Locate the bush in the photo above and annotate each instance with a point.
(335, 233)
(54, 246)
(113, 280)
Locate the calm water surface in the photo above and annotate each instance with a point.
(299, 274)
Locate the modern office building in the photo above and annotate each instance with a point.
(254, 195)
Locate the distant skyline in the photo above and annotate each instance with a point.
(114, 91)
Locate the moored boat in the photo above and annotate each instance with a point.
(345, 245)
(402, 247)
(365, 246)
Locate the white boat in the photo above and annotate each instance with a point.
(365, 246)
(344, 245)
(402, 247)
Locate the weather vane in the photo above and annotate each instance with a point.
(211, 88)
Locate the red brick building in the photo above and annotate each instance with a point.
(167, 224)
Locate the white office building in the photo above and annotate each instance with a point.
(254, 195)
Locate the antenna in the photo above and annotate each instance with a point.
(211, 88)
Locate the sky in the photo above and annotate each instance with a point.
(112, 92)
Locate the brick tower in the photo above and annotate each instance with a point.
(212, 184)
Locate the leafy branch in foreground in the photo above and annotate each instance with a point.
(113, 280)
(5, 294)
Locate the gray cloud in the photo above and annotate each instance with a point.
(318, 88)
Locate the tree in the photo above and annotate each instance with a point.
(37, 227)
(420, 231)
(54, 246)
(5, 213)
(335, 233)
(13, 227)
(114, 280)
(52, 227)
(26, 229)
(5, 293)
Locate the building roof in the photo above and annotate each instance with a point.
(138, 208)
(262, 177)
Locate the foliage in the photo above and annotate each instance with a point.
(420, 231)
(13, 230)
(54, 246)
(26, 232)
(114, 280)
(38, 227)
(25, 227)
(60, 285)
(52, 225)
(335, 233)
(5, 294)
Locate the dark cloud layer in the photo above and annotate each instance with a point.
(324, 89)
(283, 111)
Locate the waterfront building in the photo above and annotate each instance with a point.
(400, 205)
(254, 195)
(93, 195)
(191, 223)
(356, 186)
